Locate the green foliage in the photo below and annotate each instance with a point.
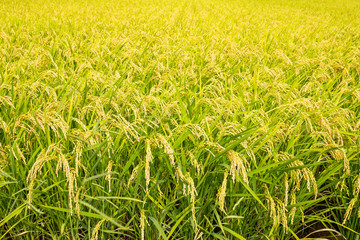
(169, 119)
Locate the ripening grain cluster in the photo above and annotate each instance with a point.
(188, 119)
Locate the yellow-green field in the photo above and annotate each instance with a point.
(188, 119)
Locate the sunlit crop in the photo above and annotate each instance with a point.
(188, 119)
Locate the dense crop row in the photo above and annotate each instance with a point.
(179, 119)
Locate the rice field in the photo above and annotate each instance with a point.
(188, 119)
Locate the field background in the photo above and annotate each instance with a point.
(179, 119)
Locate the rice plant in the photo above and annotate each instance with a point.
(189, 119)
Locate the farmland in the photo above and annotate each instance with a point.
(186, 119)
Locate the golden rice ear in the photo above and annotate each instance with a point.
(281, 209)
(70, 176)
(217, 146)
(299, 174)
(198, 234)
(17, 153)
(179, 175)
(160, 192)
(238, 165)
(133, 174)
(108, 171)
(293, 209)
(222, 191)
(349, 209)
(142, 224)
(197, 131)
(148, 160)
(337, 153)
(356, 95)
(118, 121)
(286, 195)
(249, 151)
(37, 166)
(167, 148)
(356, 189)
(271, 205)
(3, 159)
(195, 163)
(77, 203)
(72, 188)
(188, 188)
(78, 152)
(4, 126)
(193, 194)
(311, 181)
(53, 152)
(6, 100)
(95, 232)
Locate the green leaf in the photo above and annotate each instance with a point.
(157, 225)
